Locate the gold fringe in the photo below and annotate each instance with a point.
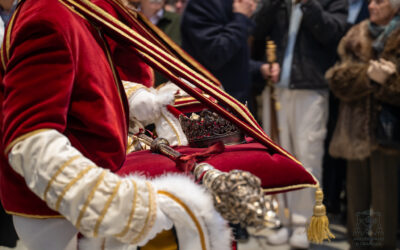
(318, 229)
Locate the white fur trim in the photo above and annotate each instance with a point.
(216, 230)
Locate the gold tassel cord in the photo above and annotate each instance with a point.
(318, 229)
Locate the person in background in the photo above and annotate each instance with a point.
(367, 83)
(170, 5)
(306, 33)
(167, 21)
(216, 33)
(334, 169)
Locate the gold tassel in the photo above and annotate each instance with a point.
(318, 229)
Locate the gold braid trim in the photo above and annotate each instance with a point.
(76, 179)
(32, 216)
(173, 128)
(63, 166)
(126, 229)
(105, 209)
(23, 137)
(162, 55)
(280, 189)
(89, 198)
(190, 213)
(151, 216)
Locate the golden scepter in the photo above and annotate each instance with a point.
(274, 107)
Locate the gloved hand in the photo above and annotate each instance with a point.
(145, 104)
(380, 71)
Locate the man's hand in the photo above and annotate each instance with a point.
(272, 72)
(245, 7)
(379, 71)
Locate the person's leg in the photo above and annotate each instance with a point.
(384, 183)
(42, 234)
(283, 97)
(309, 116)
(358, 185)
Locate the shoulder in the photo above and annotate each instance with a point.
(357, 42)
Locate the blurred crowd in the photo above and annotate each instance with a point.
(330, 96)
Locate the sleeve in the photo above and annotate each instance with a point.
(264, 18)
(38, 81)
(214, 36)
(327, 24)
(389, 92)
(96, 201)
(348, 78)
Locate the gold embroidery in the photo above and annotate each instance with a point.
(126, 229)
(23, 137)
(190, 213)
(72, 9)
(151, 215)
(105, 209)
(63, 166)
(36, 216)
(89, 198)
(280, 189)
(65, 190)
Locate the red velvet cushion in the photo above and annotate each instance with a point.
(277, 173)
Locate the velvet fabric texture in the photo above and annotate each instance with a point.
(58, 75)
(275, 170)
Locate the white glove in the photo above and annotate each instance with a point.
(145, 104)
(380, 71)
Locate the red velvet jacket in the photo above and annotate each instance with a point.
(58, 75)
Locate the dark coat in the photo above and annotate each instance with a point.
(218, 39)
(323, 25)
(354, 136)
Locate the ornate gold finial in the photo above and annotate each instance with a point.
(270, 48)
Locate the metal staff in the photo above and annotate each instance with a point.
(238, 195)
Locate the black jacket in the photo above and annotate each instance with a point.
(322, 27)
(218, 39)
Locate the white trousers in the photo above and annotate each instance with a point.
(302, 119)
(46, 234)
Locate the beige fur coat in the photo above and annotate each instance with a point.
(354, 136)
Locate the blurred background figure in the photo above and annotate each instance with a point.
(177, 6)
(334, 169)
(180, 6)
(216, 33)
(168, 22)
(306, 33)
(170, 5)
(367, 83)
